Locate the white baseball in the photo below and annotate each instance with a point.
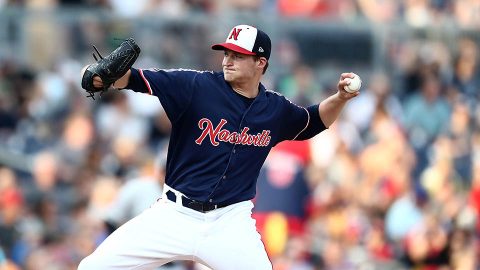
(354, 85)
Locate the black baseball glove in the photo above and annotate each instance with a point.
(110, 68)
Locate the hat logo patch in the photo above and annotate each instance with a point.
(235, 33)
(260, 49)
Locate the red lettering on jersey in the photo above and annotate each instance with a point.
(235, 33)
(208, 130)
(243, 135)
(232, 138)
(223, 135)
(266, 138)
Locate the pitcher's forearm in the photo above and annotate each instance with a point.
(123, 81)
(331, 108)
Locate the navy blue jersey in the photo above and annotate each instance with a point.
(219, 138)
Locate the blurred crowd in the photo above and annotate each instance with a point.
(417, 13)
(393, 184)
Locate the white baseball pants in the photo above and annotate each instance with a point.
(222, 239)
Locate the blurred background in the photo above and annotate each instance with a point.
(393, 184)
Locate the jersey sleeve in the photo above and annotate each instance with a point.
(300, 123)
(174, 88)
(315, 124)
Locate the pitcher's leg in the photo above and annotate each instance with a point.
(233, 243)
(157, 236)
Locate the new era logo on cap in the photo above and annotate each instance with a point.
(246, 39)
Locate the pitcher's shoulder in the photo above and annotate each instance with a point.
(274, 95)
(209, 75)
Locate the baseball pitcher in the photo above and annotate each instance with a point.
(223, 126)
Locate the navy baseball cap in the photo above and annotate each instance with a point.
(247, 39)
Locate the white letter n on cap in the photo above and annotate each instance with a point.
(235, 33)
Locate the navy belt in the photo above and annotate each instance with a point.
(199, 206)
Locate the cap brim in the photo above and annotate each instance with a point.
(230, 46)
